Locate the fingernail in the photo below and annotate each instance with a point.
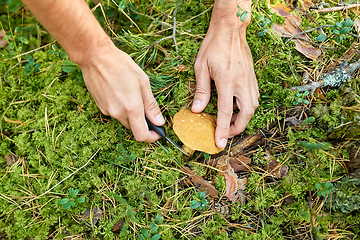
(222, 143)
(160, 119)
(196, 104)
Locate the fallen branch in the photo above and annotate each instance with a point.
(310, 30)
(307, 40)
(338, 8)
(332, 79)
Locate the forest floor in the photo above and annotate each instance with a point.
(69, 172)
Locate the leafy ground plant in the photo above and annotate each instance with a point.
(199, 201)
(72, 200)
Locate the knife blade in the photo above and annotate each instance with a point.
(161, 131)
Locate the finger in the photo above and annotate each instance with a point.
(203, 89)
(152, 109)
(246, 112)
(225, 100)
(134, 110)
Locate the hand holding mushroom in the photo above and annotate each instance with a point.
(225, 57)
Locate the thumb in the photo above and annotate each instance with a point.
(152, 109)
(203, 89)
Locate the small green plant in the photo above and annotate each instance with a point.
(199, 201)
(324, 188)
(339, 30)
(307, 121)
(301, 98)
(346, 196)
(70, 67)
(59, 53)
(264, 23)
(242, 14)
(153, 233)
(70, 202)
(32, 67)
(206, 156)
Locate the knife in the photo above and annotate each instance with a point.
(161, 131)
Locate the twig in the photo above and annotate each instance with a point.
(345, 72)
(307, 31)
(174, 27)
(173, 36)
(313, 43)
(339, 8)
(13, 68)
(354, 35)
(34, 50)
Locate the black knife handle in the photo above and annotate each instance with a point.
(158, 129)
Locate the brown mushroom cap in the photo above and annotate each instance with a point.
(196, 130)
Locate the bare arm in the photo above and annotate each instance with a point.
(118, 85)
(225, 57)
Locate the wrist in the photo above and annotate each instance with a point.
(225, 14)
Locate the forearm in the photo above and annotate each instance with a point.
(72, 24)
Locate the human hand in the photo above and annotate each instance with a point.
(225, 57)
(121, 89)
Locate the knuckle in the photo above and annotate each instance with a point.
(248, 112)
(198, 65)
(256, 105)
(200, 90)
(152, 105)
(227, 111)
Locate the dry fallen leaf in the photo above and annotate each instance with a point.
(280, 171)
(11, 159)
(118, 226)
(233, 184)
(202, 184)
(85, 217)
(290, 27)
(352, 51)
(196, 130)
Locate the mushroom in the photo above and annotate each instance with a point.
(196, 130)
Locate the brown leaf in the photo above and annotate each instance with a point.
(203, 184)
(241, 184)
(240, 163)
(3, 43)
(96, 215)
(11, 159)
(290, 27)
(118, 226)
(352, 51)
(280, 171)
(12, 121)
(231, 184)
(234, 186)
